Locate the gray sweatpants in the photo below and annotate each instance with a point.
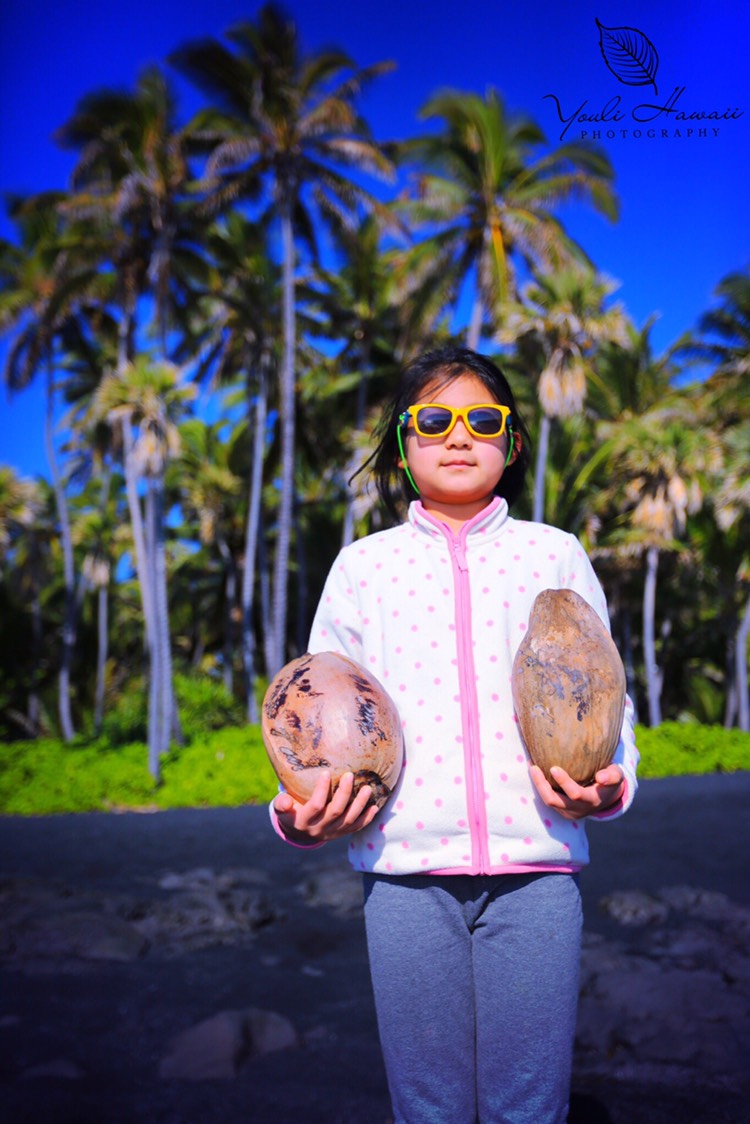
(476, 991)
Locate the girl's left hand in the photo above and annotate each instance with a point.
(576, 800)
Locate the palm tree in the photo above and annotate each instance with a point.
(209, 490)
(723, 340)
(287, 122)
(47, 284)
(146, 401)
(488, 194)
(358, 304)
(18, 502)
(658, 464)
(723, 335)
(563, 316)
(133, 180)
(732, 510)
(97, 535)
(132, 184)
(27, 528)
(631, 378)
(236, 335)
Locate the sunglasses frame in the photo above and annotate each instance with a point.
(411, 413)
(457, 413)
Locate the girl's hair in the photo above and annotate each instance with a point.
(443, 365)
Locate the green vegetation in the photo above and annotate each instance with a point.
(229, 767)
(677, 749)
(44, 777)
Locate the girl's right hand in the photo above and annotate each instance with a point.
(325, 817)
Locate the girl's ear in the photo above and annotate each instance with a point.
(515, 448)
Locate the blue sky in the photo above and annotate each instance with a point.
(684, 215)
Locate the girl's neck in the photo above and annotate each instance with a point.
(456, 516)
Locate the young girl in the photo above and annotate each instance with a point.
(472, 907)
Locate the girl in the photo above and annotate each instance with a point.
(472, 907)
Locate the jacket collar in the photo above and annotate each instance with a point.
(487, 524)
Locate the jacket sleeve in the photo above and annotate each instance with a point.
(337, 625)
(582, 578)
(335, 629)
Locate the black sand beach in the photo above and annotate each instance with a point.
(121, 932)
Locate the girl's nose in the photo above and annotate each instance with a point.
(459, 435)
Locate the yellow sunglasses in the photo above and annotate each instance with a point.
(432, 419)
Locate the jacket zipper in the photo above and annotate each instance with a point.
(469, 704)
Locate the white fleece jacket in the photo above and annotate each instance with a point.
(437, 618)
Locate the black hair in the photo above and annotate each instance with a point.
(446, 363)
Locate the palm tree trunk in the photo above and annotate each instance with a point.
(34, 706)
(102, 619)
(740, 666)
(150, 562)
(474, 331)
(230, 586)
(627, 639)
(540, 470)
(155, 670)
(166, 685)
(653, 675)
(143, 542)
(101, 655)
(251, 542)
(347, 532)
(139, 536)
(730, 678)
(301, 585)
(359, 423)
(126, 327)
(264, 567)
(286, 411)
(69, 617)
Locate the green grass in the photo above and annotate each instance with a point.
(229, 767)
(222, 768)
(677, 749)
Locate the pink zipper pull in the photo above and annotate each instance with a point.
(459, 553)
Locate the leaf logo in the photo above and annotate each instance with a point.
(629, 54)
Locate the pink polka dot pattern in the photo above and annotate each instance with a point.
(394, 601)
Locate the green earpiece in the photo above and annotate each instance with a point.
(403, 421)
(511, 444)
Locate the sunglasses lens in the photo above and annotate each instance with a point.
(486, 421)
(433, 420)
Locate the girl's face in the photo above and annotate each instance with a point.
(456, 474)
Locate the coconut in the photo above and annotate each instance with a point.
(326, 713)
(568, 687)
